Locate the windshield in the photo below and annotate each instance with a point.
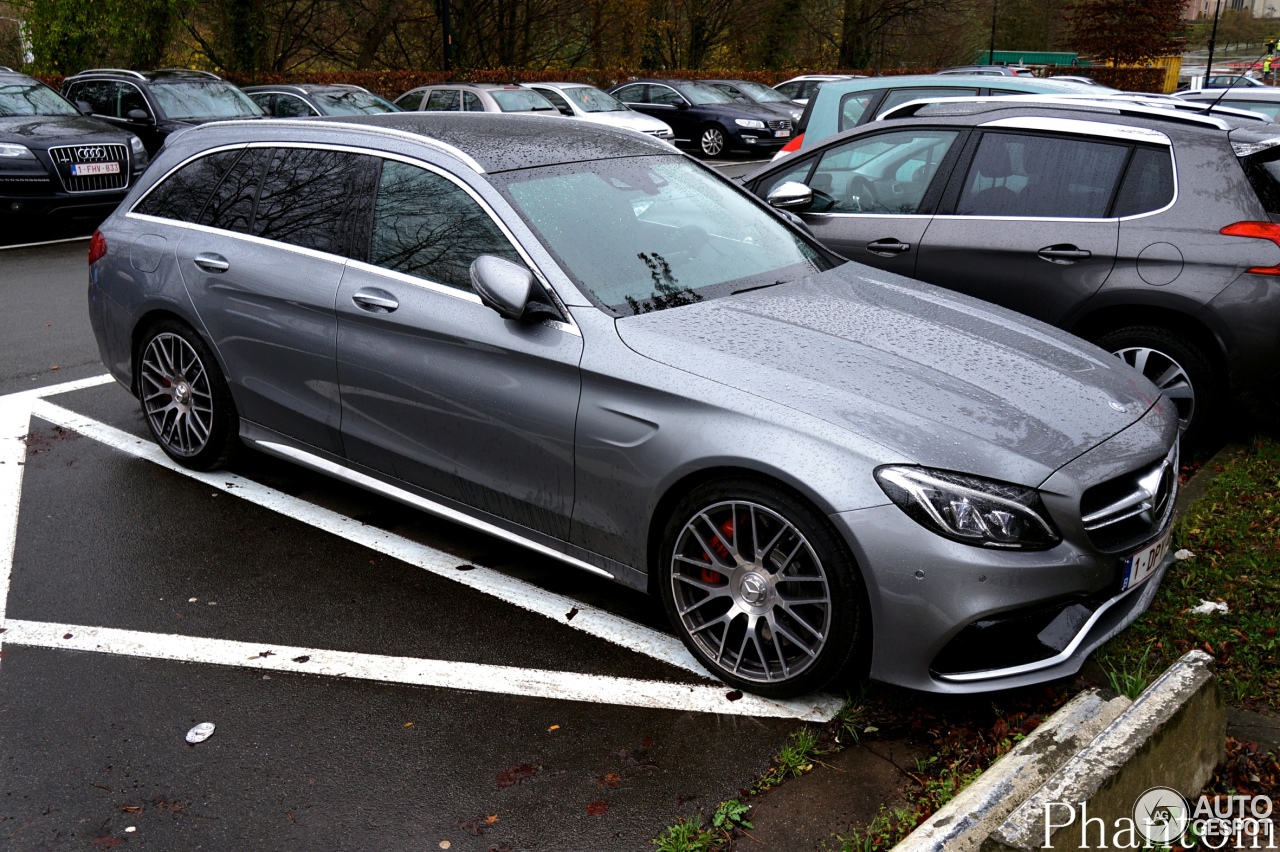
(520, 100)
(352, 103)
(33, 99)
(591, 99)
(214, 99)
(701, 93)
(760, 92)
(648, 233)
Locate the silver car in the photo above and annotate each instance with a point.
(590, 104)
(598, 348)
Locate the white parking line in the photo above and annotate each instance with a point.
(413, 671)
(15, 413)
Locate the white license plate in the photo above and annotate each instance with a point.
(1144, 563)
(83, 169)
(781, 134)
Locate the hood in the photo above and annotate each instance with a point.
(45, 130)
(737, 110)
(783, 109)
(630, 119)
(935, 378)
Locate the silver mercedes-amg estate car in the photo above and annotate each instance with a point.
(592, 345)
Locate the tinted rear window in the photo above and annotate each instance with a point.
(183, 194)
(1263, 171)
(1148, 184)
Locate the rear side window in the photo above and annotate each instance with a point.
(305, 197)
(1041, 177)
(853, 107)
(1148, 184)
(288, 106)
(183, 194)
(898, 97)
(443, 100)
(426, 226)
(471, 102)
(231, 206)
(1263, 171)
(631, 94)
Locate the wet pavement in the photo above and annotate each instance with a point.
(379, 678)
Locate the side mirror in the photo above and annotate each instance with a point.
(85, 107)
(791, 195)
(681, 104)
(502, 285)
(139, 115)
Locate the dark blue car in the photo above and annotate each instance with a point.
(706, 118)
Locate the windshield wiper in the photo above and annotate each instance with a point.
(759, 287)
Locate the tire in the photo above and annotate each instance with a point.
(1180, 368)
(726, 600)
(713, 142)
(185, 399)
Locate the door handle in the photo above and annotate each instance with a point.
(375, 301)
(1064, 253)
(888, 247)
(210, 262)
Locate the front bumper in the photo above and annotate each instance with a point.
(952, 618)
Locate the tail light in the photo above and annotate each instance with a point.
(97, 247)
(791, 147)
(1269, 231)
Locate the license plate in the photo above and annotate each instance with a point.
(780, 134)
(83, 169)
(1144, 563)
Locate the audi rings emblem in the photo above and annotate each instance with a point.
(96, 152)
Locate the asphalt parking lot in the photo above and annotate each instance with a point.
(378, 678)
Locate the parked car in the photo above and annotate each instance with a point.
(590, 104)
(307, 99)
(154, 104)
(842, 105)
(800, 89)
(1264, 99)
(990, 70)
(1225, 81)
(474, 97)
(815, 464)
(1145, 230)
(704, 118)
(1075, 78)
(747, 92)
(56, 164)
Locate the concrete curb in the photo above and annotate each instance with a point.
(1099, 755)
(967, 820)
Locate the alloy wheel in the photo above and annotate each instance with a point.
(712, 141)
(176, 395)
(1166, 374)
(751, 591)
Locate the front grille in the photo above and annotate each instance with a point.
(67, 155)
(1123, 512)
(780, 124)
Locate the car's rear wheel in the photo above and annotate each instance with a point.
(713, 142)
(761, 590)
(1180, 368)
(185, 398)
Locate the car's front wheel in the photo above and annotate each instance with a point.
(184, 397)
(713, 142)
(1180, 368)
(761, 589)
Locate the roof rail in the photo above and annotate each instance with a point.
(109, 71)
(389, 132)
(1080, 101)
(187, 71)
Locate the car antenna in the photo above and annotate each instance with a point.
(1270, 49)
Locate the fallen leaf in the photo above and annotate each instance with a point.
(444, 844)
(597, 808)
(513, 775)
(408, 724)
(465, 568)
(491, 819)
(131, 809)
(67, 635)
(735, 695)
(610, 779)
(571, 613)
(647, 742)
(304, 658)
(554, 728)
(55, 367)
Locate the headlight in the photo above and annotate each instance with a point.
(16, 151)
(970, 509)
(136, 144)
(749, 122)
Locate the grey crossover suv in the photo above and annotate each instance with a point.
(1146, 230)
(598, 348)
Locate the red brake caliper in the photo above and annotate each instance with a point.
(710, 575)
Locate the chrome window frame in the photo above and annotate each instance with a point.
(569, 327)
